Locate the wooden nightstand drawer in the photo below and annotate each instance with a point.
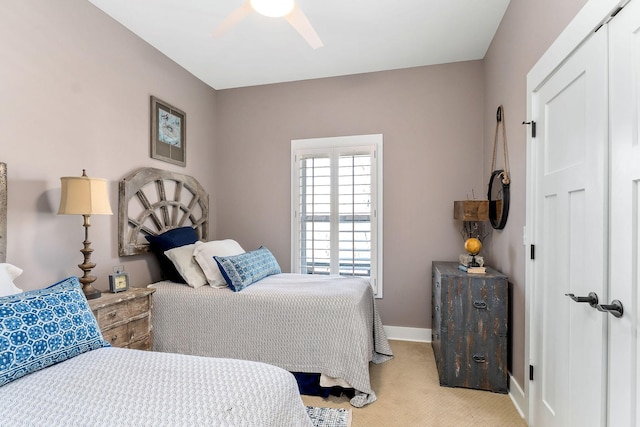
(127, 333)
(117, 313)
(117, 336)
(125, 318)
(144, 344)
(139, 329)
(473, 361)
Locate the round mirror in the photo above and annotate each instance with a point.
(498, 196)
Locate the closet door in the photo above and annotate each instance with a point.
(624, 348)
(570, 225)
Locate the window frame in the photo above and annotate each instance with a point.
(342, 144)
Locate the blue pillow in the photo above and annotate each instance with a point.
(43, 327)
(240, 271)
(168, 240)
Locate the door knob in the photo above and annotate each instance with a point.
(592, 298)
(615, 308)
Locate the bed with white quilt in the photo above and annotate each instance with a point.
(222, 301)
(302, 323)
(56, 369)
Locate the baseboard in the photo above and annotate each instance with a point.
(402, 333)
(518, 397)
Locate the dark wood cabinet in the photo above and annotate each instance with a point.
(470, 327)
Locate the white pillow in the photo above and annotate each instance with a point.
(186, 265)
(9, 272)
(204, 253)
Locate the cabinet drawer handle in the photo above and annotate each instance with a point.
(478, 358)
(480, 304)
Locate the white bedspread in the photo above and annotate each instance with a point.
(121, 387)
(302, 323)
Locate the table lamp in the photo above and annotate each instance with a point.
(85, 196)
(473, 214)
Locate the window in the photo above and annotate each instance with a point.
(336, 207)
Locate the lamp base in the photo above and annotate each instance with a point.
(90, 292)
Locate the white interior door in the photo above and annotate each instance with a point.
(570, 177)
(624, 350)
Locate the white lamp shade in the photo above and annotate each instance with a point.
(272, 8)
(82, 195)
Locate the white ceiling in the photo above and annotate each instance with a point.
(359, 36)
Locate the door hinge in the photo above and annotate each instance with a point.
(530, 372)
(611, 16)
(533, 127)
(533, 252)
(617, 11)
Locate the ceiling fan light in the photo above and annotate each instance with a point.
(273, 8)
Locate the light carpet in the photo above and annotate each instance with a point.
(410, 395)
(329, 417)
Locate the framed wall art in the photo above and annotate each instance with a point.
(168, 133)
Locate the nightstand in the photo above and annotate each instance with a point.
(469, 327)
(125, 317)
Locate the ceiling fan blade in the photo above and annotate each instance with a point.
(299, 21)
(233, 18)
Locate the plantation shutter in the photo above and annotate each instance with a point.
(336, 211)
(315, 214)
(355, 211)
(336, 196)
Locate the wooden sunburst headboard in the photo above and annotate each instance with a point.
(152, 201)
(3, 212)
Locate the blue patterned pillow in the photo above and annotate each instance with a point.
(43, 327)
(242, 270)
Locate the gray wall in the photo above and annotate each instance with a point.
(75, 94)
(431, 119)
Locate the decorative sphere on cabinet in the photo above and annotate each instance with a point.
(473, 245)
